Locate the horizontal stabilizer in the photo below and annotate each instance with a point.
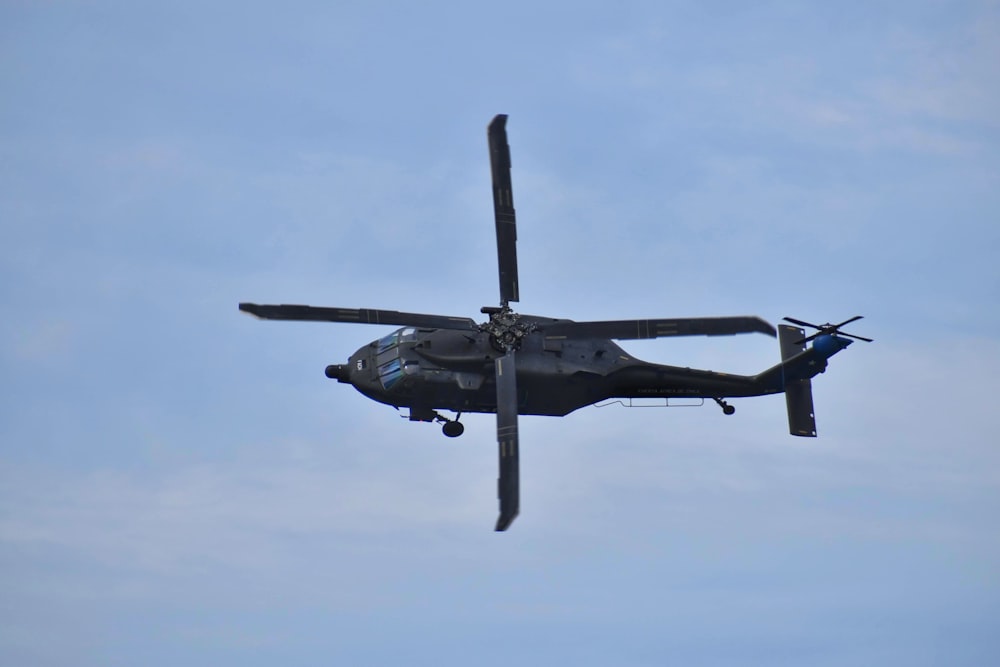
(799, 401)
(798, 393)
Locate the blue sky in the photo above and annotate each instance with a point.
(180, 484)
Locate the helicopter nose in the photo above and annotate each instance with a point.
(339, 372)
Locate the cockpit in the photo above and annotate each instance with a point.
(390, 367)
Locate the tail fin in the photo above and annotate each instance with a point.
(798, 393)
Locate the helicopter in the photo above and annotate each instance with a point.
(514, 364)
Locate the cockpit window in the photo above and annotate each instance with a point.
(389, 368)
(387, 342)
(390, 373)
(407, 335)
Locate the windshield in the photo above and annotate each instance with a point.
(389, 368)
(390, 373)
(388, 342)
(405, 335)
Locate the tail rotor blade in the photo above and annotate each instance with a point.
(801, 323)
(503, 208)
(809, 338)
(508, 484)
(848, 321)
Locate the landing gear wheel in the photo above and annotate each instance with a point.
(726, 408)
(453, 429)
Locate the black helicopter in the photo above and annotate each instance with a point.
(515, 364)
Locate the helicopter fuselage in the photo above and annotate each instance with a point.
(440, 369)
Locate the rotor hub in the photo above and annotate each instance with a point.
(506, 328)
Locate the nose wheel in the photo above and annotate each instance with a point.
(726, 408)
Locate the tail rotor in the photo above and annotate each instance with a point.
(827, 329)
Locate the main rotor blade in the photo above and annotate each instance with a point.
(357, 315)
(503, 208)
(634, 329)
(508, 485)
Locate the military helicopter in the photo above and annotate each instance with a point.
(514, 364)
